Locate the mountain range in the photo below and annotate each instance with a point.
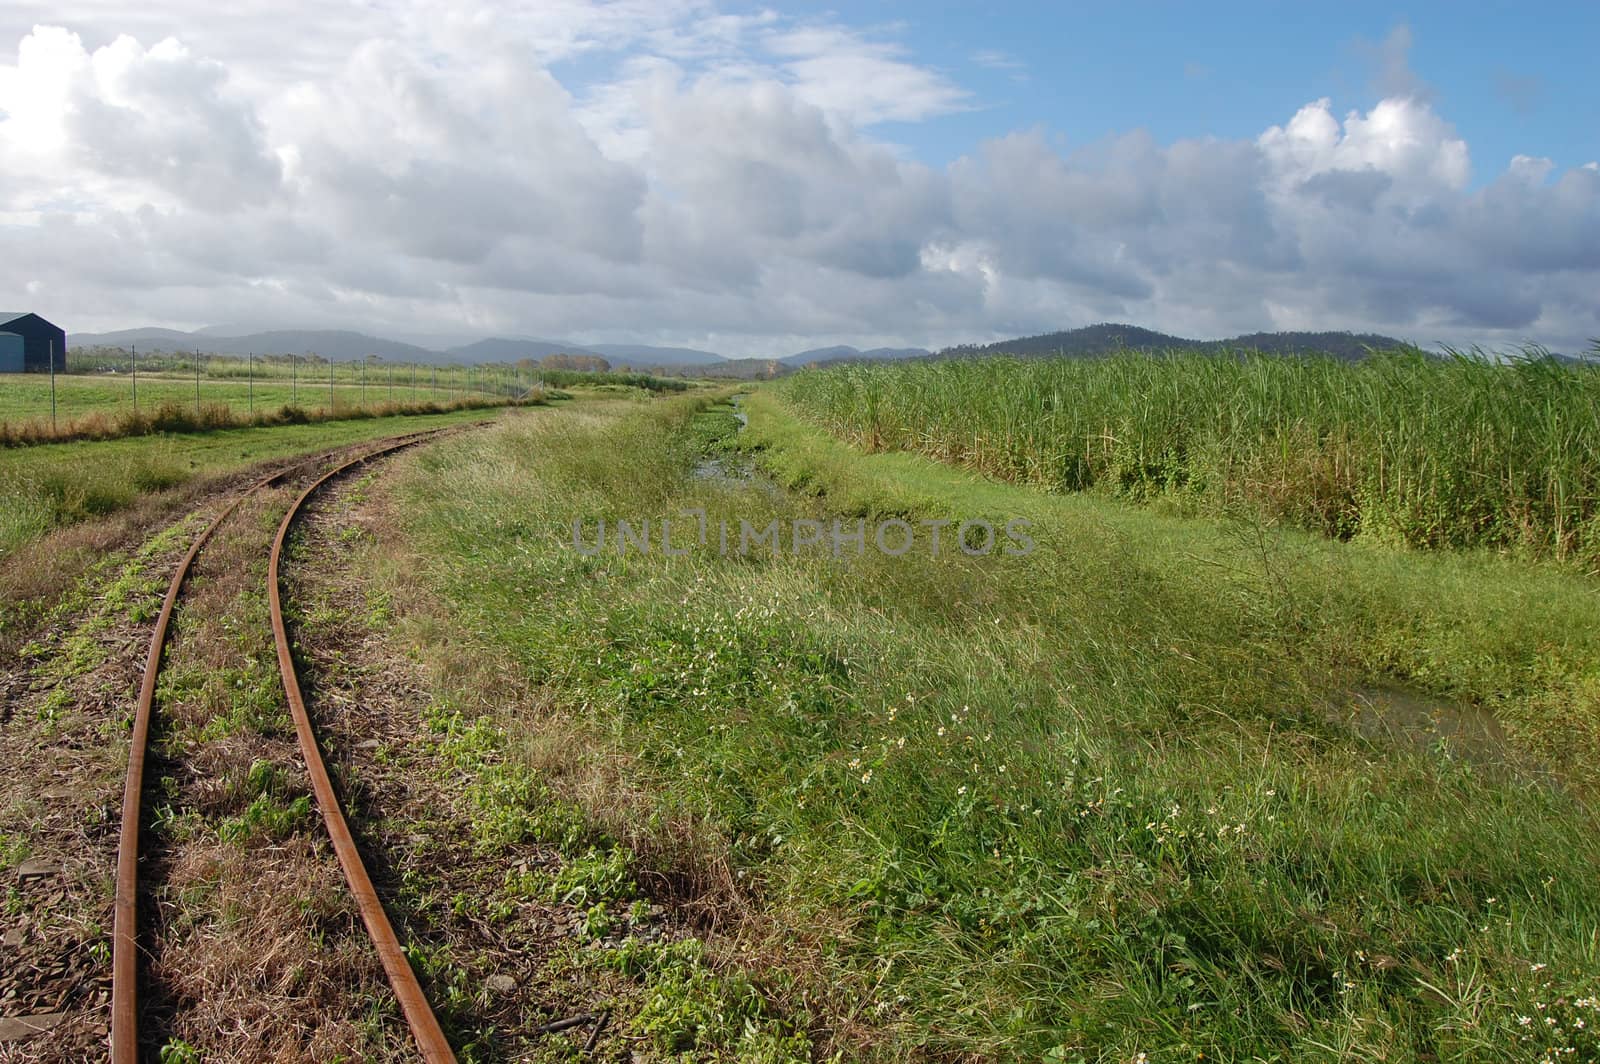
(1099, 339)
(343, 345)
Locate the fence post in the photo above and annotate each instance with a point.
(294, 381)
(52, 383)
(251, 372)
(330, 386)
(197, 382)
(135, 380)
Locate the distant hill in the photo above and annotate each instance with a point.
(165, 339)
(329, 343)
(1099, 339)
(1350, 346)
(845, 353)
(645, 355)
(500, 350)
(335, 344)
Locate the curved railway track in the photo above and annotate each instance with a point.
(425, 1028)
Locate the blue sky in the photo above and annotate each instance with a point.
(1511, 81)
(762, 178)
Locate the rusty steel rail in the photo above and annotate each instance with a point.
(431, 1042)
(125, 918)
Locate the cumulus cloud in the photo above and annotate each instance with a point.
(674, 173)
(1400, 137)
(449, 168)
(155, 120)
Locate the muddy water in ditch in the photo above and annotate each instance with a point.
(1428, 725)
(731, 469)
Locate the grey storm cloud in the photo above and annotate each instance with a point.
(1351, 190)
(419, 168)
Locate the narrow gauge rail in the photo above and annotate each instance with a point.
(124, 944)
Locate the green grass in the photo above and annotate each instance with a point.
(52, 485)
(687, 1008)
(91, 390)
(26, 397)
(1097, 801)
(1401, 447)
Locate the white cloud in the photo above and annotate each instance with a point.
(1400, 138)
(995, 59)
(861, 80)
(132, 122)
(669, 172)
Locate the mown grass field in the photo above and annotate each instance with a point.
(1401, 448)
(26, 397)
(101, 405)
(1118, 797)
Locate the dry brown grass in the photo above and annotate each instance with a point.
(256, 951)
(265, 958)
(63, 750)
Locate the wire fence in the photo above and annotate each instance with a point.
(101, 389)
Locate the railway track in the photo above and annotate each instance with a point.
(429, 1037)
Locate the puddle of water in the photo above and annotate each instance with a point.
(729, 469)
(1427, 724)
(724, 469)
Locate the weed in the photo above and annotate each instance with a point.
(692, 1010)
(266, 819)
(177, 1051)
(14, 849)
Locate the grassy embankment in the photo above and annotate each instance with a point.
(1457, 452)
(1106, 799)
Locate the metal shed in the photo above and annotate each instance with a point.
(27, 334)
(12, 353)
